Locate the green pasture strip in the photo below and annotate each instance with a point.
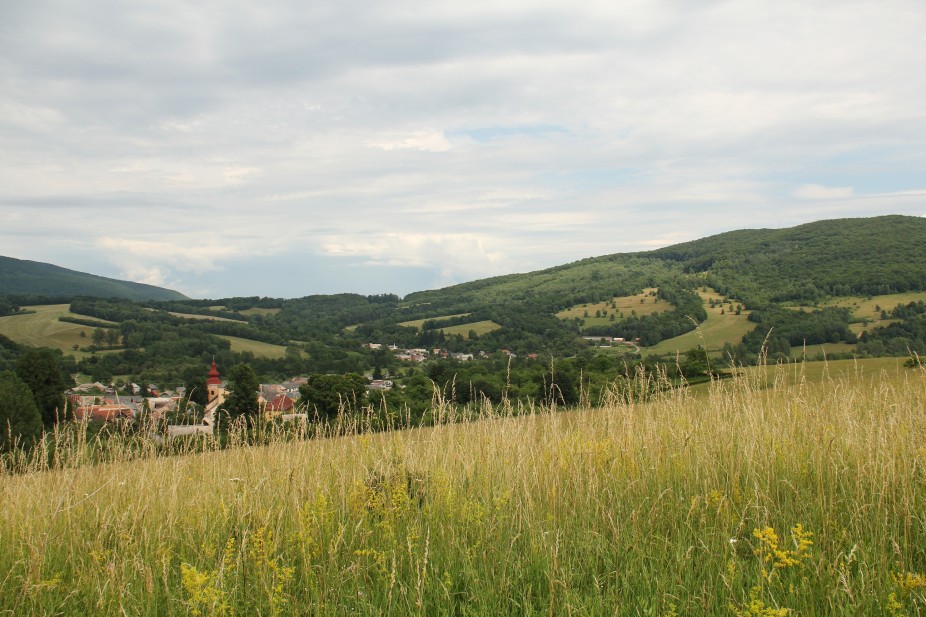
(260, 311)
(643, 303)
(418, 323)
(203, 317)
(479, 327)
(258, 348)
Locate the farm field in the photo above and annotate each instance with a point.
(644, 303)
(418, 323)
(258, 348)
(41, 328)
(479, 327)
(812, 351)
(869, 308)
(775, 493)
(722, 325)
(202, 317)
(260, 311)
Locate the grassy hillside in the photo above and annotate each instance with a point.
(40, 327)
(722, 326)
(800, 497)
(258, 348)
(23, 277)
(599, 313)
(833, 257)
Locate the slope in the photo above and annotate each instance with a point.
(23, 277)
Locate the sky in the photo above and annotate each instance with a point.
(287, 148)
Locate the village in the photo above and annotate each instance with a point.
(99, 402)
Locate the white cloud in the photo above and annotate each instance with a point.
(818, 191)
(427, 141)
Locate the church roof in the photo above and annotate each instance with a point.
(214, 375)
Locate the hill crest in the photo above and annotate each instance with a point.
(25, 277)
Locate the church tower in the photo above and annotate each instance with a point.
(213, 384)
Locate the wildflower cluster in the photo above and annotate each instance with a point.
(772, 553)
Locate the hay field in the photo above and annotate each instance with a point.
(41, 328)
(258, 348)
(644, 303)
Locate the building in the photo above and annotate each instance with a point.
(215, 395)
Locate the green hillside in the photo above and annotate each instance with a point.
(848, 287)
(23, 277)
(842, 257)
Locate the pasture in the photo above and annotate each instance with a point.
(622, 307)
(722, 325)
(419, 323)
(868, 308)
(41, 328)
(260, 311)
(258, 348)
(197, 317)
(479, 327)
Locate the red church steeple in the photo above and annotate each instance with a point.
(213, 375)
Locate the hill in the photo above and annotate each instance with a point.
(854, 287)
(23, 277)
(841, 257)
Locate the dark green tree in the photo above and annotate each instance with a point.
(696, 362)
(242, 392)
(20, 420)
(327, 394)
(39, 370)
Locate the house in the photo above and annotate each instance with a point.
(268, 392)
(104, 413)
(380, 384)
(281, 404)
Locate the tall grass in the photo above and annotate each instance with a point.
(769, 495)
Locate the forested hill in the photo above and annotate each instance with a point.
(23, 277)
(867, 256)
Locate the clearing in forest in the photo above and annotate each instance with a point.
(258, 348)
(723, 325)
(418, 323)
(618, 308)
(40, 328)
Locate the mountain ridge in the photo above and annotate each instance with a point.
(27, 277)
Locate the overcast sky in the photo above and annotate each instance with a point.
(282, 148)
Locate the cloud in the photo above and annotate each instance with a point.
(459, 139)
(428, 141)
(818, 191)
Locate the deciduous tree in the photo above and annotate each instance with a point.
(38, 369)
(242, 392)
(20, 420)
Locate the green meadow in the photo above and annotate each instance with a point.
(599, 313)
(418, 323)
(258, 348)
(723, 325)
(40, 327)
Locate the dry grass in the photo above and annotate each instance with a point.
(678, 504)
